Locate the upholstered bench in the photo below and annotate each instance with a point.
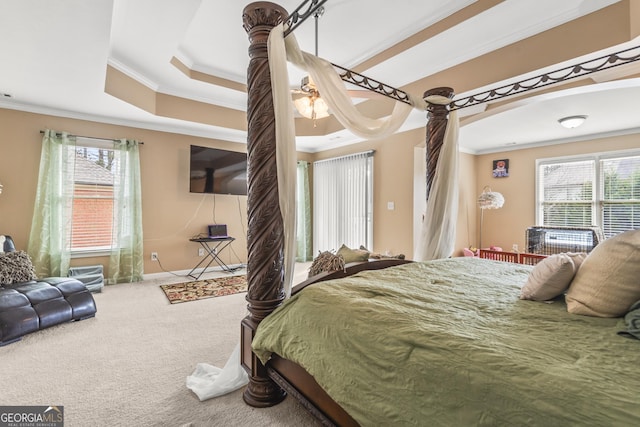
(31, 306)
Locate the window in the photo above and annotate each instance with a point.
(92, 206)
(88, 201)
(343, 202)
(601, 190)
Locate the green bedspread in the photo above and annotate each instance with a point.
(449, 343)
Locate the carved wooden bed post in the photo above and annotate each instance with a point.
(265, 234)
(437, 116)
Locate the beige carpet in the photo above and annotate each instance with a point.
(128, 365)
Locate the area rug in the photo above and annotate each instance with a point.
(201, 289)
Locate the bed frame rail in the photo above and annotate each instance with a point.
(300, 384)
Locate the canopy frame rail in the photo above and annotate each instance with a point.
(563, 74)
(296, 17)
(373, 85)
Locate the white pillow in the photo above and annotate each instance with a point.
(577, 258)
(549, 278)
(608, 281)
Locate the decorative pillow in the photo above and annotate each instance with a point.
(577, 258)
(608, 281)
(326, 261)
(16, 267)
(352, 255)
(374, 255)
(549, 278)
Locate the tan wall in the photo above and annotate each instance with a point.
(466, 228)
(171, 215)
(393, 182)
(507, 226)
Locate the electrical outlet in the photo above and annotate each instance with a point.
(200, 251)
(154, 256)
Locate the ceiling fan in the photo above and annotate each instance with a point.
(308, 101)
(307, 98)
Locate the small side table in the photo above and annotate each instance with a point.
(213, 246)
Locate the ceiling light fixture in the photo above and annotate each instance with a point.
(312, 106)
(572, 121)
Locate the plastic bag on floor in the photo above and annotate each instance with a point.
(209, 381)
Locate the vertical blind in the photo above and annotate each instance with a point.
(343, 202)
(601, 190)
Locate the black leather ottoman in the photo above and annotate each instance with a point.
(29, 306)
(76, 294)
(17, 316)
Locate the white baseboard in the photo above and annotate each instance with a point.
(183, 273)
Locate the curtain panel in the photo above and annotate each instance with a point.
(304, 251)
(50, 234)
(126, 263)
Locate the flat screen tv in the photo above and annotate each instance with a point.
(217, 171)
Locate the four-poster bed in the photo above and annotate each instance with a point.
(271, 380)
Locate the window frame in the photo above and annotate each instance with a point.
(91, 251)
(598, 200)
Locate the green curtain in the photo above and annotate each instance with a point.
(304, 250)
(50, 236)
(51, 223)
(126, 263)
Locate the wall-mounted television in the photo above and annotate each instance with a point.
(217, 171)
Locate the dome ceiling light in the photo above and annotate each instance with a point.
(572, 121)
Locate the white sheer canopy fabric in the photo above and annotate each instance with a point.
(208, 381)
(438, 231)
(333, 91)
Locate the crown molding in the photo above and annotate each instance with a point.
(204, 131)
(580, 138)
